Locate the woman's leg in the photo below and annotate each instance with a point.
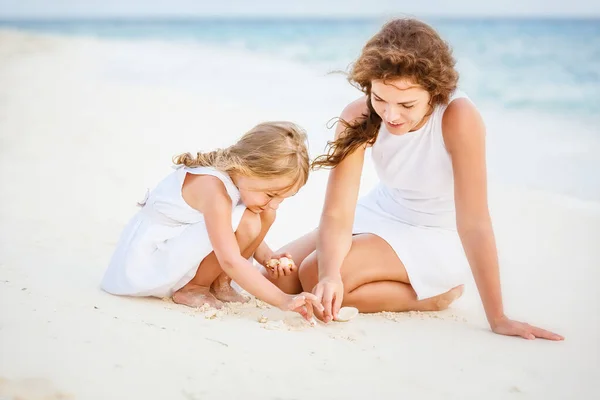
(299, 249)
(375, 279)
(197, 292)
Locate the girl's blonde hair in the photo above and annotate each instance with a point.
(269, 150)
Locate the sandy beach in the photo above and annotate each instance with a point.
(81, 140)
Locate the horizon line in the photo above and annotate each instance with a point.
(167, 17)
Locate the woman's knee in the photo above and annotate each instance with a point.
(308, 272)
(371, 259)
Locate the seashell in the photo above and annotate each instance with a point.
(286, 262)
(346, 314)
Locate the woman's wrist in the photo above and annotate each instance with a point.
(333, 275)
(496, 320)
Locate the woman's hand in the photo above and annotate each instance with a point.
(330, 292)
(505, 326)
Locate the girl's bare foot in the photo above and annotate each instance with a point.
(229, 294)
(224, 292)
(196, 296)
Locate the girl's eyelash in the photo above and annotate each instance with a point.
(411, 106)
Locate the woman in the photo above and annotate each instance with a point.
(408, 244)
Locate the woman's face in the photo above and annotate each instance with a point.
(402, 105)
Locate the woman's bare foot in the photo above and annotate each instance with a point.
(196, 296)
(443, 301)
(224, 292)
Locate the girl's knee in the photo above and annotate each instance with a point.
(267, 218)
(250, 226)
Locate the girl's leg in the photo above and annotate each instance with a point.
(221, 287)
(375, 279)
(299, 249)
(197, 292)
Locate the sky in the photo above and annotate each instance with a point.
(295, 8)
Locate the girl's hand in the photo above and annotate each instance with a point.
(303, 304)
(505, 326)
(280, 265)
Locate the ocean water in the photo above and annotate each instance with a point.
(536, 81)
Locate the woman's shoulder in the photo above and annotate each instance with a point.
(461, 122)
(459, 105)
(355, 110)
(460, 110)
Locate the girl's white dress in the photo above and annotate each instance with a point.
(412, 207)
(162, 246)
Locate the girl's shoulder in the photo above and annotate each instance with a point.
(220, 178)
(211, 171)
(198, 190)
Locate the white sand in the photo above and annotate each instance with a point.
(80, 142)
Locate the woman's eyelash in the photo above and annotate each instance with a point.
(405, 106)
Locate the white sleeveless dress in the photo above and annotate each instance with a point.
(412, 207)
(162, 246)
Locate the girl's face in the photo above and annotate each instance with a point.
(402, 105)
(261, 194)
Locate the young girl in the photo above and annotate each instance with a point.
(198, 228)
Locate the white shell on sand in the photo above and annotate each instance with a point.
(346, 314)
